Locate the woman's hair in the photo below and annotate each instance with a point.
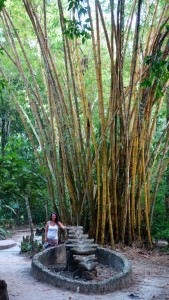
(56, 220)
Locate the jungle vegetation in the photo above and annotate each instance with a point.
(84, 114)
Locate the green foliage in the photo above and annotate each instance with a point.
(163, 234)
(3, 233)
(27, 247)
(159, 72)
(2, 4)
(20, 176)
(77, 5)
(3, 83)
(76, 27)
(160, 225)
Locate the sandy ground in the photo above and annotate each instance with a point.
(150, 277)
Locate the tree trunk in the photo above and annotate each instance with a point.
(30, 224)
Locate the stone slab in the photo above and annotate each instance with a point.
(5, 244)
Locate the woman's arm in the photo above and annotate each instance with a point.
(61, 225)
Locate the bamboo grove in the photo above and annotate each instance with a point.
(92, 119)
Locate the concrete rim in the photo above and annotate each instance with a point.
(116, 282)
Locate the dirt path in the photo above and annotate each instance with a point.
(150, 277)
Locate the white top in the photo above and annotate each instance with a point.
(52, 233)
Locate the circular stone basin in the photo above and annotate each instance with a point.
(57, 256)
(6, 244)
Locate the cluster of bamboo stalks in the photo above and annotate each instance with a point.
(101, 180)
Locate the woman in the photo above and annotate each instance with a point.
(51, 231)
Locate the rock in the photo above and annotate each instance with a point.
(88, 275)
(88, 266)
(3, 290)
(40, 231)
(161, 244)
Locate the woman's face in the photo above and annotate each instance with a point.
(53, 217)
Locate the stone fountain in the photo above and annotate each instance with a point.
(80, 265)
(80, 255)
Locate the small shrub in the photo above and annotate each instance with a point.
(3, 233)
(27, 247)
